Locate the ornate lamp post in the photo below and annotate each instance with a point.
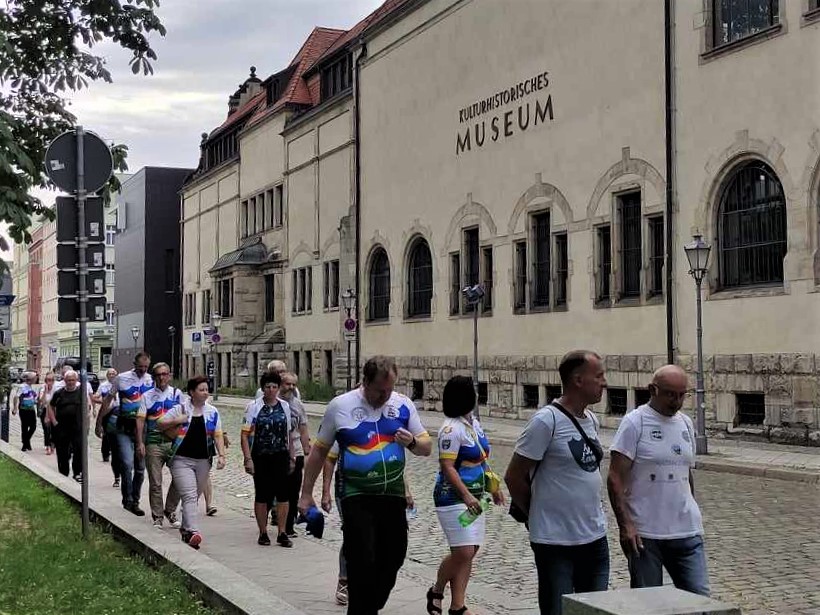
(348, 302)
(135, 333)
(697, 253)
(473, 295)
(216, 320)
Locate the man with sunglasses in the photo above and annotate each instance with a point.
(652, 491)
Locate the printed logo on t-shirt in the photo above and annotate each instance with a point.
(446, 444)
(392, 412)
(685, 434)
(583, 455)
(359, 414)
(676, 449)
(657, 434)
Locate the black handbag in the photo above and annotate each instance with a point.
(594, 445)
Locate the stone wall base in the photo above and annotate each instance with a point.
(783, 389)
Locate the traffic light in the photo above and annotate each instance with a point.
(68, 259)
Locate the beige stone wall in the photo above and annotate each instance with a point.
(319, 195)
(607, 137)
(209, 229)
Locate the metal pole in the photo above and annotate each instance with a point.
(349, 375)
(82, 272)
(217, 370)
(700, 437)
(475, 356)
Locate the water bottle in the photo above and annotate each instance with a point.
(468, 516)
(412, 513)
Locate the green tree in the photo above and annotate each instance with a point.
(45, 55)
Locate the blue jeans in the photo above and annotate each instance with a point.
(132, 470)
(683, 558)
(569, 569)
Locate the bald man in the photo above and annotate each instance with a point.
(652, 491)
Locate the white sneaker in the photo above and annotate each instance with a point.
(158, 523)
(173, 520)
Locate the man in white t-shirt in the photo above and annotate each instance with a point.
(554, 479)
(652, 491)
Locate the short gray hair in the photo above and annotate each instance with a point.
(158, 365)
(277, 366)
(378, 367)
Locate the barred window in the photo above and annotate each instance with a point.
(752, 227)
(420, 280)
(656, 255)
(541, 260)
(378, 306)
(736, 19)
(561, 268)
(629, 206)
(604, 263)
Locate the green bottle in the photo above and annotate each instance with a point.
(468, 516)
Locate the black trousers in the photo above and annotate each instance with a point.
(68, 442)
(375, 544)
(28, 425)
(47, 439)
(294, 486)
(110, 442)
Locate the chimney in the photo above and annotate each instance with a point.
(249, 89)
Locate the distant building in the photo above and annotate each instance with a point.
(147, 299)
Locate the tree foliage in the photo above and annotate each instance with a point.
(46, 54)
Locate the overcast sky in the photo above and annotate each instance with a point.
(206, 54)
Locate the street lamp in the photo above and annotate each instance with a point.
(216, 320)
(172, 331)
(473, 295)
(349, 302)
(135, 333)
(697, 253)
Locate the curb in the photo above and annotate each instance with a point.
(217, 585)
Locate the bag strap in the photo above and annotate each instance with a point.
(596, 449)
(478, 443)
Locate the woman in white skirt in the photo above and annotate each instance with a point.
(461, 486)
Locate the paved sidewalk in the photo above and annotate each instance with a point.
(303, 577)
(785, 462)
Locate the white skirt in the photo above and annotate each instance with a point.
(458, 536)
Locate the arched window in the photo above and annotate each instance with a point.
(378, 305)
(752, 227)
(419, 280)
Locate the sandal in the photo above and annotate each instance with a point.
(433, 595)
(460, 611)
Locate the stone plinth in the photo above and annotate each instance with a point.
(650, 601)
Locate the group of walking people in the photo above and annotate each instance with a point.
(554, 481)
(554, 477)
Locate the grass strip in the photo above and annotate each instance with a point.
(46, 567)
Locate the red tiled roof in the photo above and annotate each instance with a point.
(297, 91)
(322, 43)
(371, 20)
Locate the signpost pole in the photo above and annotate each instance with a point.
(82, 272)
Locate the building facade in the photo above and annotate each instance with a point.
(538, 152)
(146, 311)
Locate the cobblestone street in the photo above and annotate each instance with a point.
(763, 536)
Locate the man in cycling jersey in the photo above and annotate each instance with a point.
(373, 425)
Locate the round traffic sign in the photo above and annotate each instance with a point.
(350, 324)
(61, 161)
(216, 338)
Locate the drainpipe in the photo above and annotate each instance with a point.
(669, 78)
(357, 206)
